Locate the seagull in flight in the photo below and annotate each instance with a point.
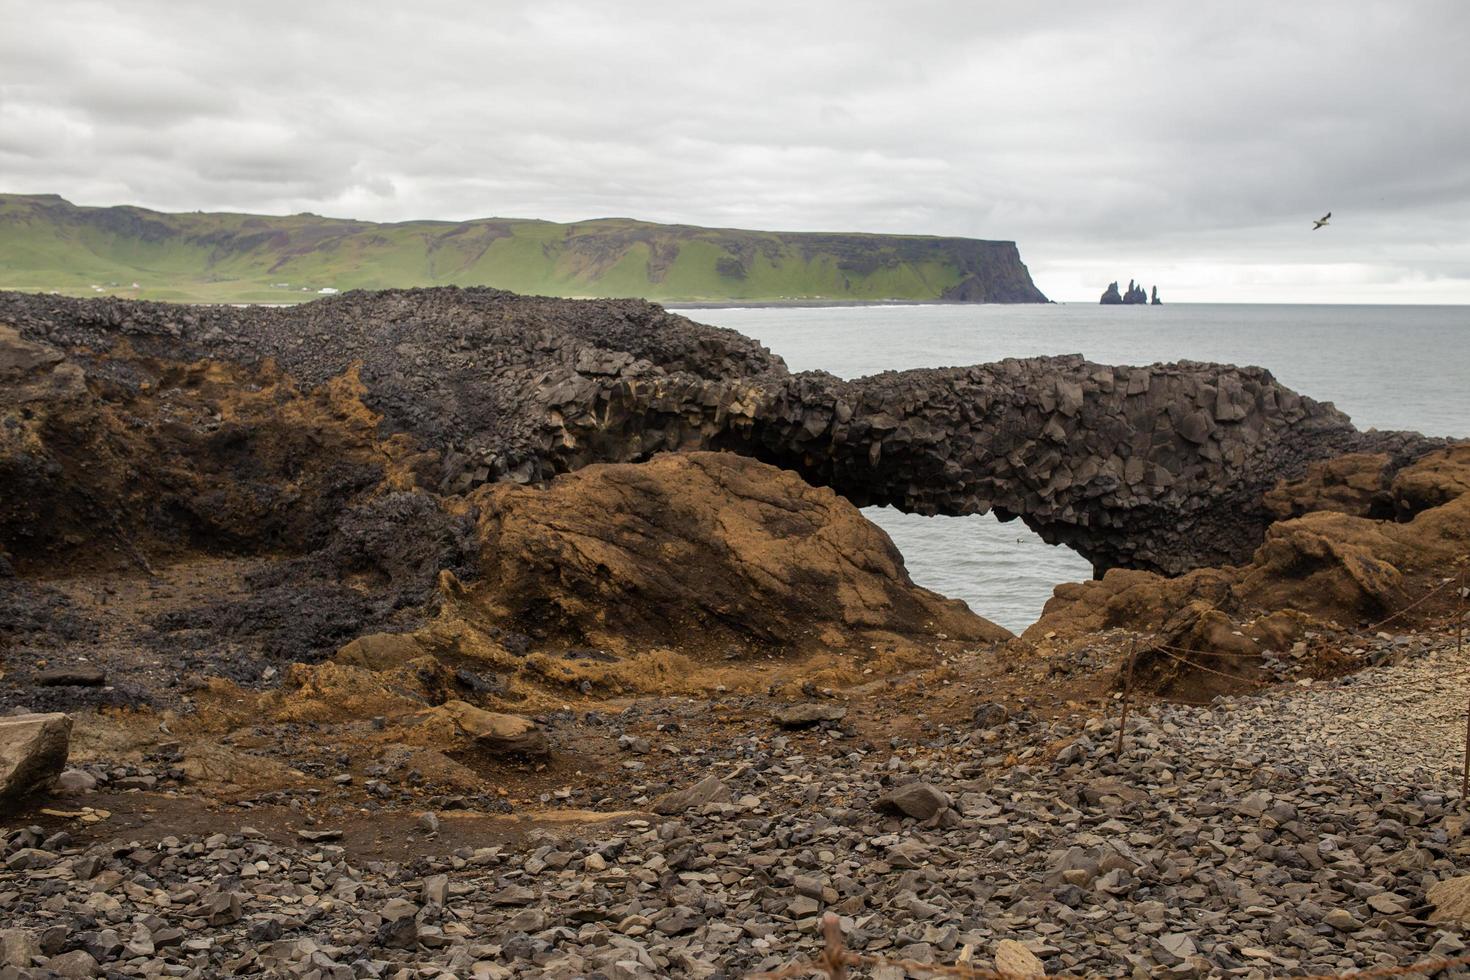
(1321, 221)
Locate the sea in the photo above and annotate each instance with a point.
(1388, 367)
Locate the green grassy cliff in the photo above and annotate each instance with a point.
(47, 243)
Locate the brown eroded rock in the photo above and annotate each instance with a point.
(33, 751)
(1451, 900)
(1323, 568)
(1356, 484)
(1014, 960)
(698, 553)
(380, 651)
(499, 734)
(710, 789)
(808, 713)
(334, 691)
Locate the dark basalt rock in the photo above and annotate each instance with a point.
(1133, 296)
(1161, 467)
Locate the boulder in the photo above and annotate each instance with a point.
(71, 677)
(990, 714)
(380, 651)
(808, 713)
(18, 949)
(1451, 900)
(710, 789)
(1014, 960)
(698, 553)
(918, 800)
(499, 734)
(33, 751)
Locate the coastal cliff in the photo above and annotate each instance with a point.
(404, 574)
(47, 243)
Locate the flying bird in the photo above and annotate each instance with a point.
(1321, 221)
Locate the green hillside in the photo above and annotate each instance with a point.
(49, 244)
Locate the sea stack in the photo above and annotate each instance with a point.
(1134, 296)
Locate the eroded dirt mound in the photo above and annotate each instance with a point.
(186, 457)
(704, 553)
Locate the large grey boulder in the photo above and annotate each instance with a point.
(33, 750)
(919, 800)
(708, 790)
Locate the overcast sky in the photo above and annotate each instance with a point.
(1188, 145)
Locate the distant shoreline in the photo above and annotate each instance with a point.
(822, 304)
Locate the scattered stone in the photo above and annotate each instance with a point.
(75, 781)
(319, 835)
(77, 963)
(18, 948)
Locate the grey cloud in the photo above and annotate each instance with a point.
(1153, 131)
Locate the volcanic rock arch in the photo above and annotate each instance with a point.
(1160, 467)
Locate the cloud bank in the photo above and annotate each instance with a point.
(1188, 145)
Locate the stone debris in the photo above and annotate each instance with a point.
(1237, 839)
(33, 751)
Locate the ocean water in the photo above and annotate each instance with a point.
(1388, 367)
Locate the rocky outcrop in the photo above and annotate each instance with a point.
(1160, 467)
(705, 553)
(1133, 296)
(33, 751)
(1357, 543)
